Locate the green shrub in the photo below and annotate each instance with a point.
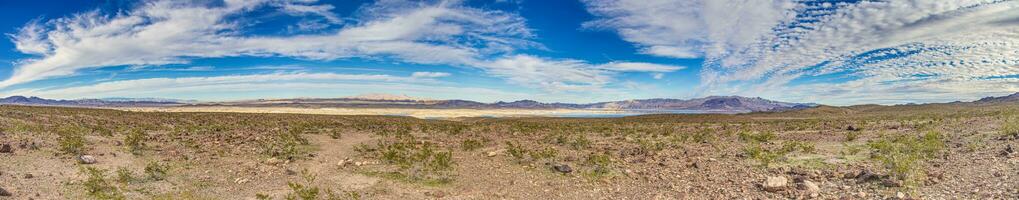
(904, 156)
(156, 171)
(135, 140)
(852, 135)
(97, 186)
(516, 150)
(471, 145)
(580, 142)
(1010, 128)
(124, 175)
(71, 141)
(762, 137)
(601, 165)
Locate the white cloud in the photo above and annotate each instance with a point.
(639, 67)
(167, 32)
(429, 74)
(565, 74)
(175, 32)
(763, 47)
(212, 84)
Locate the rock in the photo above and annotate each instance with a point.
(436, 194)
(775, 184)
(6, 148)
(1008, 151)
(810, 187)
(86, 159)
(851, 128)
(495, 153)
(343, 163)
(29, 176)
(891, 183)
(861, 194)
(564, 168)
(273, 161)
(4, 193)
(900, 195)
(240, 180)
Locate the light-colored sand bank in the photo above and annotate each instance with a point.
(419, 113)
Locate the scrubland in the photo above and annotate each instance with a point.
(861, 152)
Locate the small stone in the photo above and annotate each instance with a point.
(342, 163)
(240, 180)
(273, 161)
(810, 187)
(563, 168)
(775, 184)
(4, 193)
(6, 148)
(436, 194)
(900, 195)
(861, 194)
(494, 153)
(891, 183)
(29, 176)
(86, 159)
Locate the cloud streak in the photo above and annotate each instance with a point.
(435, 33)
(773, 48)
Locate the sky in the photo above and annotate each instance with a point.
(842, 52)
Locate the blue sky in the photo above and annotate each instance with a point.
(832, 52)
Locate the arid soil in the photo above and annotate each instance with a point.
(915, 152)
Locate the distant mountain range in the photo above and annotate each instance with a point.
(109, 102)
(722, 104)
(727, 104)
(1002, 99)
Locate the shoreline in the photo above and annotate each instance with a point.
(410, 112)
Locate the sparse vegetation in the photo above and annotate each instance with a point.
(1010, 128)
(190, 153)
(96, 185)
(156, 171)
(135, 141)
(905, 156)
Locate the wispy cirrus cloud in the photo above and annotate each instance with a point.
(222, 84)
(171, 32)
(774, 48)
(177, 32)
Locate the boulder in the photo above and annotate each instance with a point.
(87, 159)
(563, 168)
(775, 184)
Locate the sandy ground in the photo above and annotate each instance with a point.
(418, 113)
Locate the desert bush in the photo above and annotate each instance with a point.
(515, 150)
(156, 171)
(70, 140)
(135, 141)
(124, 175)
(1010, 127)
(417, 160)
(96, 185)
(852, 135)
(600, 164)
(767, 156)
(762, 137)
(286, 145)
(471, 145)
(904, 156)
(580, 142)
